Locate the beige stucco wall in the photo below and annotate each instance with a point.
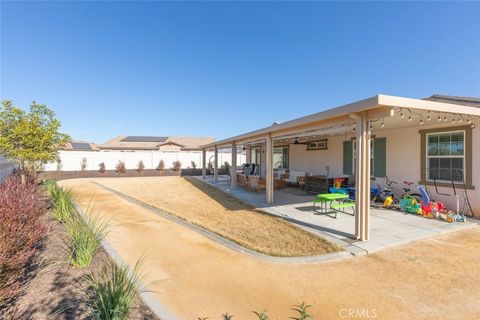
(403, 160)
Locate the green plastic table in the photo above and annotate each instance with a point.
(324, 198)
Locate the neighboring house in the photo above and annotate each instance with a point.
(417, 140)
(133, 149)
(129, 143)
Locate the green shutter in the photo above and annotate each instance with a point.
(347, 157)
(380, 157)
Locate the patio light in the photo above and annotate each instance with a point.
(409, 119)
(439, 118)
(445, 119)
(429, 118)
(453, 120)
(469, 121)
(460, 120)
(421, 122)
(383, 125)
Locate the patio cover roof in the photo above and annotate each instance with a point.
(377, 106)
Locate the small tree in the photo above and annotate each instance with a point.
(59, 164)
(101, 167)
(226, 166)
(193, 164)
(83, 164)
(177, 165)
(161, 165)
(140, 166)
(120, 167)
(31, 138)
(210, 166)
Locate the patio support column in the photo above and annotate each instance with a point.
(362, 178)
(215, 166)
(269, 167)
(233, 169)
(204, 164)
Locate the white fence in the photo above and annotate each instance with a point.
(6, 168)
(70, 160)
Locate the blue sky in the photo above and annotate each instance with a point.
(189, 68)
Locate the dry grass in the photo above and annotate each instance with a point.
(208, 207)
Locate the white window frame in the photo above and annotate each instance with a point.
(372, 156)
(428, 157)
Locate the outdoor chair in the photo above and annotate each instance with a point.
(256, 184)
(242, 180)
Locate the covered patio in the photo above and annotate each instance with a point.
(350, 129)
(389, 228)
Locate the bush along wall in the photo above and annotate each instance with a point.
(23, 227)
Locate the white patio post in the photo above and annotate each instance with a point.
(215, 166)
(362, 178)
(269, 167)
(233, 169)
(204, 164)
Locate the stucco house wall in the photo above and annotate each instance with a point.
(403, 161)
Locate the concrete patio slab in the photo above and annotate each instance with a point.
(388, 227)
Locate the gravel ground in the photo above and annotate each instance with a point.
(193, 276)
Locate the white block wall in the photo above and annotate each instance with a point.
(6, 168)
(71, 159)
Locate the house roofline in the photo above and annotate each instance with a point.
(377, 101)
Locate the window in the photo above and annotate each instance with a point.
(255, 156)
(372, 156)
(280, 158)
(378, 156)
(445, 156)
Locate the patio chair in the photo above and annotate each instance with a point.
(242, 180)
(256, 184)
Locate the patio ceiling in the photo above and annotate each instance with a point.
(384, 112)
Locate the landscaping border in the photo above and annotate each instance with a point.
(228, 243)
(159, 310)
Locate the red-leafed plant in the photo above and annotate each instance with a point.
(177, 165)
(23, 227)
(120, 167)
(101, 167)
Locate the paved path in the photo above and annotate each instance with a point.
(194, 276)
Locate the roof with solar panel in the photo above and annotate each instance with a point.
(154, 142)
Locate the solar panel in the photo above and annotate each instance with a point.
(143, 139)
(81, 146)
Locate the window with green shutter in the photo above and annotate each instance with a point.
(378, 157)
(347, 157)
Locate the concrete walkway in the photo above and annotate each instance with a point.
(193, 276)
(388, 227)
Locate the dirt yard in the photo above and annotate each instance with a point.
(208, 207)
(193, 276)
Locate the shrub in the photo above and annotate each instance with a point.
(120, 167)
(194, 165)
(302, 310)
(101, 167)
(113, 291)
(262, 315)
(161, 165)
(59, 164)
(23, 228)
(210, 166)
(83, 164)
(177, 165)
(85, 237)
(140, 166)
(62, 202)
(226, 167)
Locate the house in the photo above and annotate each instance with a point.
(133, 149)
(433, 142)
(130, 143)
